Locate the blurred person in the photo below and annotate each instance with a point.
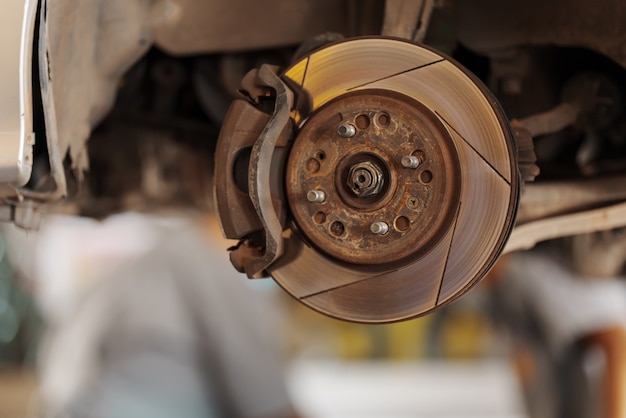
(168, 333)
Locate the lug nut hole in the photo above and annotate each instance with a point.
(402, 224)
(337, 229)
(319, 218)
(426, 176)
(312, 166)
(362, 122)
(383, 119)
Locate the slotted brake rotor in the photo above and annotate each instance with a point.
(401, 181)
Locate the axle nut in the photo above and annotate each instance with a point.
(365, 179)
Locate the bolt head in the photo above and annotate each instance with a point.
(412, 202)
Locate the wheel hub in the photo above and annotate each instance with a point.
(367, 187)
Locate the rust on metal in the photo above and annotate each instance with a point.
(365, 181)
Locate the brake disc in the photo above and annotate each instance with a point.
(401, 181)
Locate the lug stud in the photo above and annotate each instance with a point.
(346, 130)
(316, 196)
(379, 228)
(411, 161)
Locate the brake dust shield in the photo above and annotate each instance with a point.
(400, 181)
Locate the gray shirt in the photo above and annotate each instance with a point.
(173, 333)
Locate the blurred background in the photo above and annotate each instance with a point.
(455, 363)
(119, 318)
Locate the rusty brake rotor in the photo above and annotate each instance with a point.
(400, 181)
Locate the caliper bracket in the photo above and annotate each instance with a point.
(254, 216)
